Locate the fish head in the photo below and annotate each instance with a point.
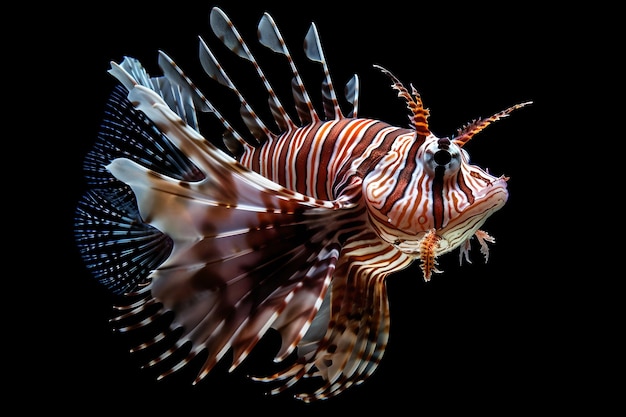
(430, 189)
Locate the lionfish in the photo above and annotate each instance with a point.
(293, 227)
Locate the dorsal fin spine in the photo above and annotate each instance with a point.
(270, 37)
(225, 30)
(213, 68)
(204, 103)
(313, 50)
(352, 94)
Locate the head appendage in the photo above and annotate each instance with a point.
(419, 117)
(468, 131)
(428, 250)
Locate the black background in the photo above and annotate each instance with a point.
(493, 338)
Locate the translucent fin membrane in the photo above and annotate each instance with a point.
(128, 133)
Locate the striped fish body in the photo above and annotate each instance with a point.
(295, 231)
(408, 186)
(323, 159)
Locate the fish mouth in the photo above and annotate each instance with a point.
(458, 231)
(492, 189)
(491, 199)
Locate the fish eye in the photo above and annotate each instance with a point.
(442, 157)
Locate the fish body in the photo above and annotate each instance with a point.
(294, 226)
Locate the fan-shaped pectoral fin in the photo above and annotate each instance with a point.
(355, 314)
(246, 253)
